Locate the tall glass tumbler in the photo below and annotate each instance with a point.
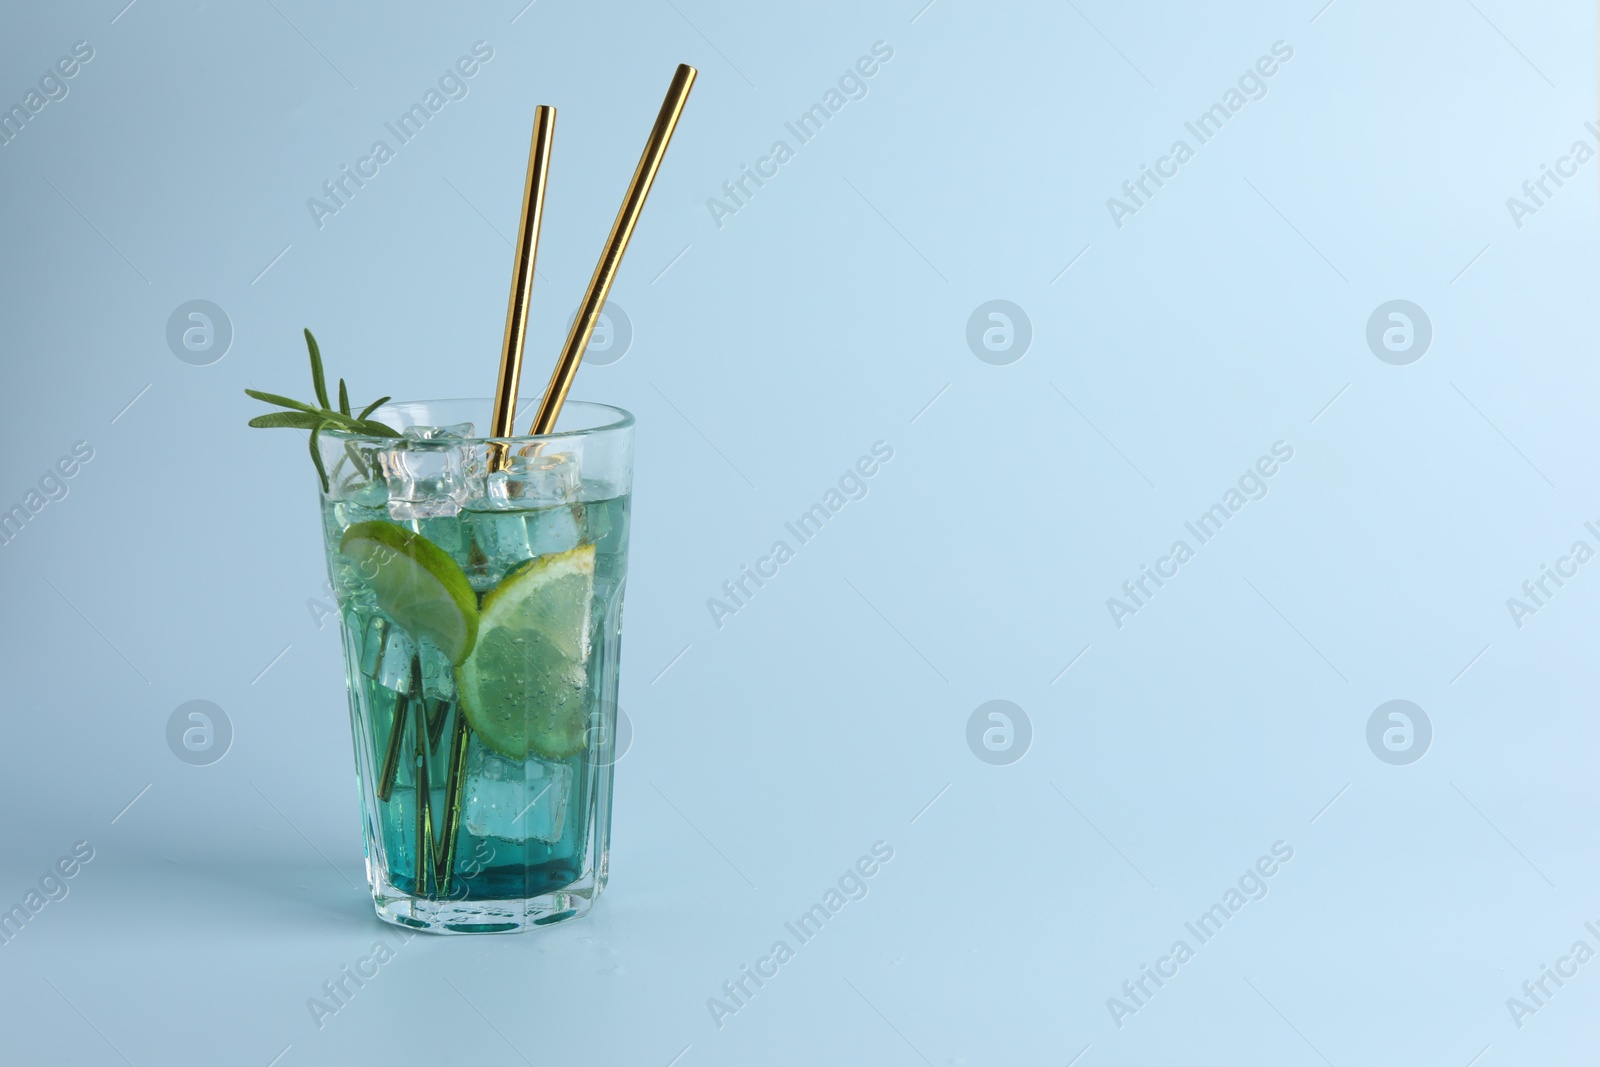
(482, 618)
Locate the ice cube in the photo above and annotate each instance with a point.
(386, 652)
(347, 513)
(530, 481)
(437, 433)
(438, 673)
(427, 478)
(351, 589)
(445, 532)
(596, 521)
(353, 469)
(364, 491)
(498, 540)
(515, 800)
(553, 530)
(534, 533)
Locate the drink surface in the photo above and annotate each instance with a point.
(531, 813)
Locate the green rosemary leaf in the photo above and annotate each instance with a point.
(281, 401)
(332, 420)
(335, 420)
(374, 428)
(316, 456)
(317, 380)
(303, 416)
(354, 455)
(297, 420)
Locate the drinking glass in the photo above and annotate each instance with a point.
(480, 584)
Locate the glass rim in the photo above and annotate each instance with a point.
(620, 419)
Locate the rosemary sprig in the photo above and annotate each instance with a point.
(303, 416)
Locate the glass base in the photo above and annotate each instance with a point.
(497, 916)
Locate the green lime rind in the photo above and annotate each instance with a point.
(416, 584)
(524, 688)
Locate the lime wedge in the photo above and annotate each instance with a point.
(416, 583)
(524, 686)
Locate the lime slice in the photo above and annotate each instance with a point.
(417, 584)
(524, 686)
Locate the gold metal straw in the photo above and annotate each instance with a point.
(455, 784)
(505, 401)
(397, 722)
(504, 417)
(425, 864)
(503, 423)
(605, 272)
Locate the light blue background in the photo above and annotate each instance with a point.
(769, 354)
